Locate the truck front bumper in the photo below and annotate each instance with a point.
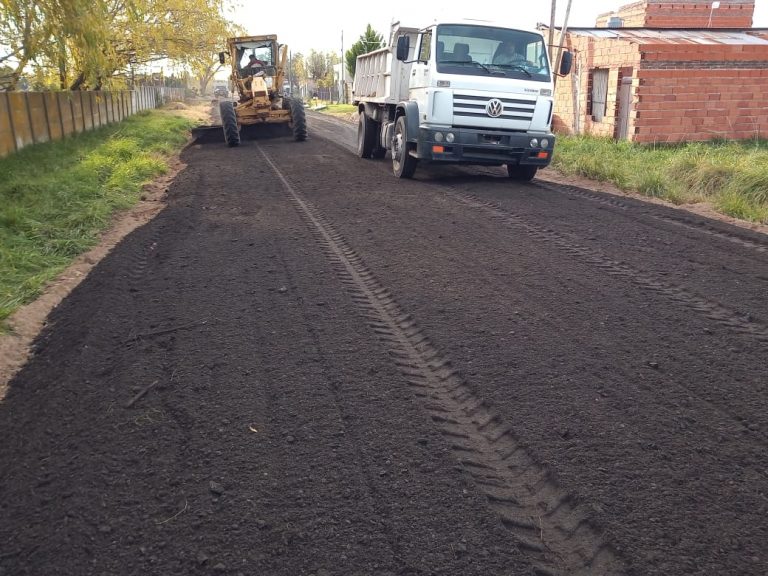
(491, 147)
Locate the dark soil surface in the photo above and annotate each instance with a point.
(304, 366)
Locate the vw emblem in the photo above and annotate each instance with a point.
(494, 108)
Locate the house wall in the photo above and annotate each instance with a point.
(632, 16)
(683, 14)
(680, 92)
(696, 92)
(573, 92)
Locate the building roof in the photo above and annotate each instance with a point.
(753, 36)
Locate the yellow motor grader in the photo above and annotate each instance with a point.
(258, 72)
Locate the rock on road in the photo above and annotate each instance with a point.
(304, 366)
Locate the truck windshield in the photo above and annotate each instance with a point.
(488, 51)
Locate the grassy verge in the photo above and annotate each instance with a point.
(343, 110)
(732, 176)
(56, 198)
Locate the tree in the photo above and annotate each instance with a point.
(368, 42)
(317, 65)
(91, 43)
(205, 63)
(298, 72)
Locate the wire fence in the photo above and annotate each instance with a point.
(28, 118)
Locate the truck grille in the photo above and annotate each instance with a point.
(467, 107)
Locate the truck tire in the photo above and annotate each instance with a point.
(229, 122)
(378, 152)
(522, 173)
(366, 135)
(298, 120)
(403, 164)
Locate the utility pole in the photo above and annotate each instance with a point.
(343, 95)
(556, 63)
(550, 47)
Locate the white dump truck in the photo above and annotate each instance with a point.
(458, 92)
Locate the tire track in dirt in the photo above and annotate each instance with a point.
(742, 324)
(681, 221)
(543, 519)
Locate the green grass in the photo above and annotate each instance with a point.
(56, 198)
(336, 109)
(732, 176)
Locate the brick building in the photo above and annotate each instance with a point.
(640, 75)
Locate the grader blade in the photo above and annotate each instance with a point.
(208, 134)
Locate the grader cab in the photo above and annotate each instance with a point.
(258, 73)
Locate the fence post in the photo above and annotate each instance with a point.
(10, 121)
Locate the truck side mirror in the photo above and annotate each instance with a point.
(403, 46)
(566, 61)
(221, 57)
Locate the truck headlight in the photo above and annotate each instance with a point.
(534, 143)
(544, 143)
(438, 136)
(450, 137)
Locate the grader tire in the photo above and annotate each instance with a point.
(298, 120)
(229, 122)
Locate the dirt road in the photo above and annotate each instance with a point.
(304, 366)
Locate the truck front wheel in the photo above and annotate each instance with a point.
(403, 164)
(523, 173)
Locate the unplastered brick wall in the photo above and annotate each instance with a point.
(631, 15)
(573, 94)
(683, 14)
(688, 92)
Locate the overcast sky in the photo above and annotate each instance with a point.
(319, 25)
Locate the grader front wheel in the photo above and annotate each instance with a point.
(229, 122)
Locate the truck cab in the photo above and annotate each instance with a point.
(469, 93)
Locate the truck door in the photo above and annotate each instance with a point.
(420, 71)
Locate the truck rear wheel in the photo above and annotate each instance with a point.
(403, 164)
(523, 173)
(229, 122)
(366, 135)
(298, 120)
(378, 152)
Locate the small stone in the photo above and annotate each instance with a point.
(202, 558)
(290, 439)
(282, 289)
(105, 528)
(460, 549)
(216, 488)
(220, 568)
(654, 365)
(754, 427)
